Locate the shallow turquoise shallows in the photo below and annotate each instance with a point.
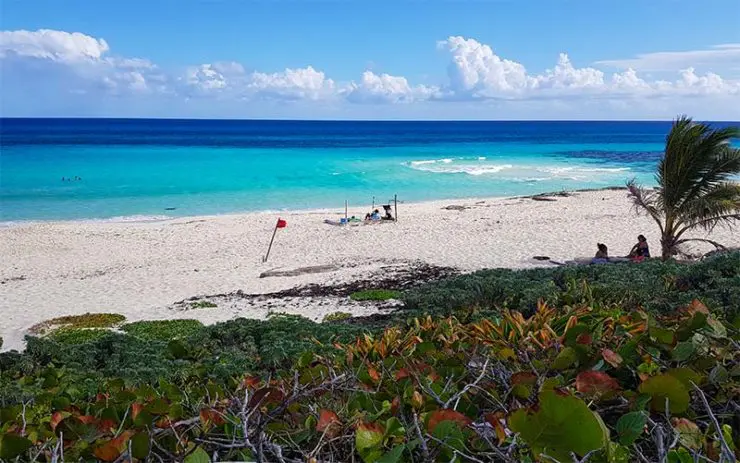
(52, 169)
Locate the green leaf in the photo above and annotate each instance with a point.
(562, 424)
(686, 376)
(393, 427)
(198, 456)
(177, 349)
(12, 445)
(158, 407)
(140, 445)
(305, 359)
(425, 347)
(668, 387)
(680, 456)
(683, 351)
(630, 427)
(394, 456)
(718, 375)
(717, 329)
(368, 436)
(565, 359)
(662, 335)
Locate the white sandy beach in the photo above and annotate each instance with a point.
(141, 269)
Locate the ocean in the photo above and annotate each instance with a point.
(136, 169)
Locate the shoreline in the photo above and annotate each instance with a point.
(144, 219)
(143, 270)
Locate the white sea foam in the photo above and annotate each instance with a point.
(465, 169)
(130, 218)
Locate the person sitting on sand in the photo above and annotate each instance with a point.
(641, 250)
(602, 255)
(375, 215)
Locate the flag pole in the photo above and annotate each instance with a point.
(271, 240)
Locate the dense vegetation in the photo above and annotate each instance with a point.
(617, 363)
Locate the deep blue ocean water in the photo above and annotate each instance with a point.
(136, 168)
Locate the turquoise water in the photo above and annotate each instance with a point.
(151, 169)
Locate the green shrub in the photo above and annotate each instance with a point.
(336, 316)
(375, 295)
(569, 382)
(77, 335)
(203, 305)
(88, 320)
(162, 330)
(657, 286)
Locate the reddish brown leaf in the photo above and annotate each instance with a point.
(439, 416)
(87, 419)
(395, 405)
(266, 395)
(697, 307)
(106, 425)
(163, 423)
(136, 408)
(612, 358)
(111, 450)
(56, 418)
(328, 422)
(208, 415)
(373, 373)
(402, 373)
(251, 382)
(494, 419)
(584, 338)
(595, 382)
(526, 378)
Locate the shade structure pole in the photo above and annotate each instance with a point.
(395, 206)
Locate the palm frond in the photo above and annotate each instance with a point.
(696, 157)
(721, 204)
(645, 200)
(721, 168)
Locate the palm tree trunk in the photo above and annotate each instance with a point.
(668, 246)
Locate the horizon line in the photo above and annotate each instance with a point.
(339, 120)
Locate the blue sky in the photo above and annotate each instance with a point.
(416, 59)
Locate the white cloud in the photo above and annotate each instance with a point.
(725, 56)
(564, 75)
(476, 71)
(53, 45)
(385, 88)
(53, 63)
(303, 83)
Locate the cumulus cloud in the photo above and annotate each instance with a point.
(385, 88)
(304, 83)
(53, 45)
(77, 61)
(41, 65)
(476, 72)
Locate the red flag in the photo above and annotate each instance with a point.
(281, 223)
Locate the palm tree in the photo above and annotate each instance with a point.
(695, 183)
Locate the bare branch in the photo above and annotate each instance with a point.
(727, 454)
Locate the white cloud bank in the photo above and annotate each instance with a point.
(44, 64)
